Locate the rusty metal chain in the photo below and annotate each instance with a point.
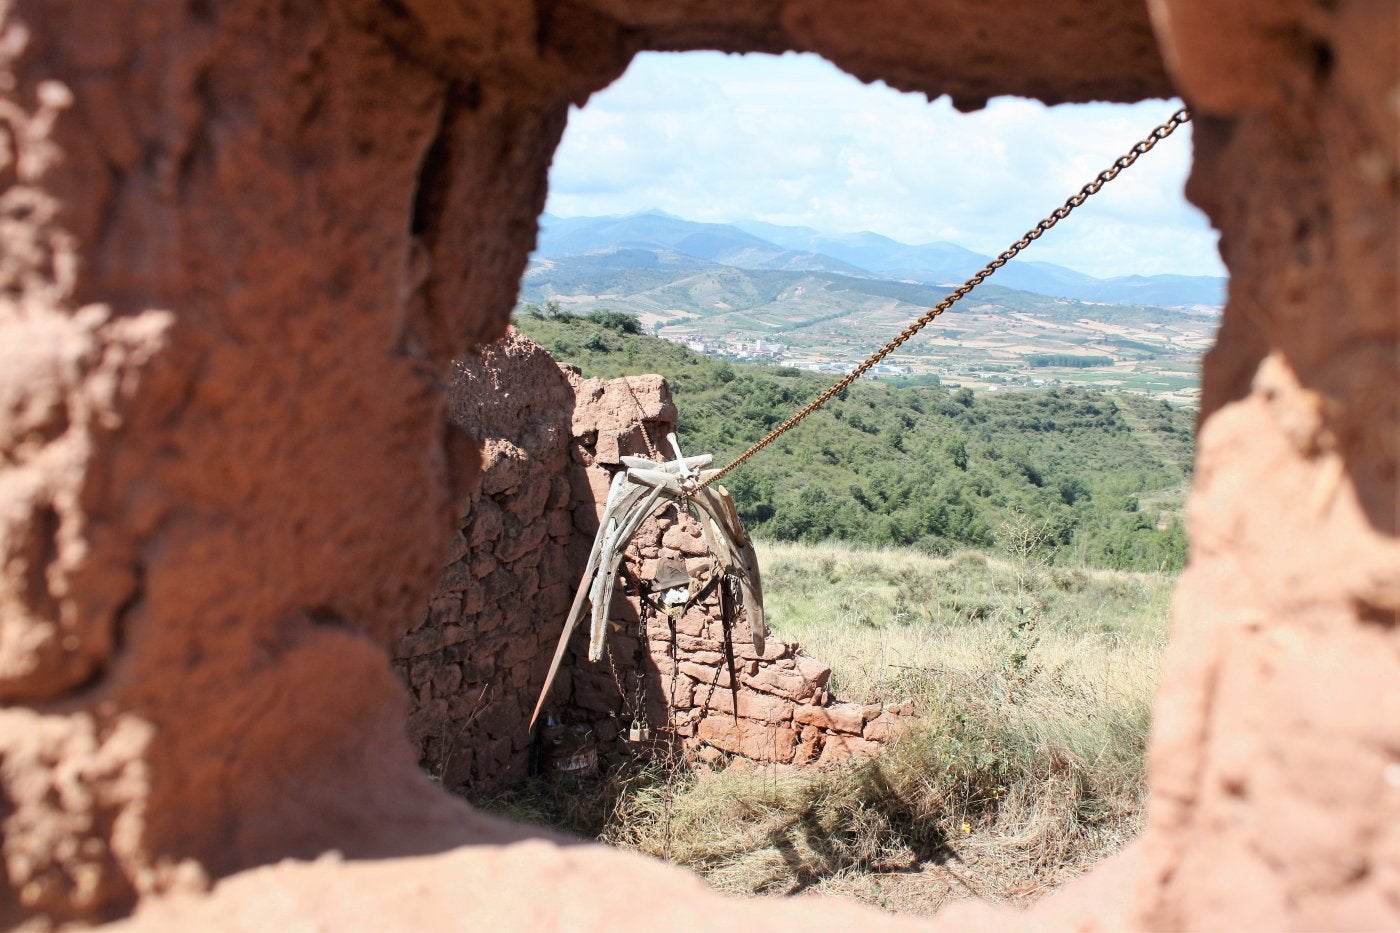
(1058, 214)
(641, 420)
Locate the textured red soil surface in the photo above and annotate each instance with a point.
(242, 242)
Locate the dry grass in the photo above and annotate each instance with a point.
(1034, 689)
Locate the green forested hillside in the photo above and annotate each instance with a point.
(1075, 475)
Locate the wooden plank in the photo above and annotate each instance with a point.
(576, 610)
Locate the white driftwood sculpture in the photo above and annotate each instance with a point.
(634, 495)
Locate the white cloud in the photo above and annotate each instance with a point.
(793, 140)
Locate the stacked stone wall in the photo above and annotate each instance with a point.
(472, 661)
(476, 659)
(773, 706)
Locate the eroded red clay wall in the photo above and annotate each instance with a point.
(241, 243)
(1278, 722)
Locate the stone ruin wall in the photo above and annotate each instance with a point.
(474, 662)
(243, 242)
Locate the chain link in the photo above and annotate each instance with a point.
(1140, 148)
(641, 420)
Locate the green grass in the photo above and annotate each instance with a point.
(1033, 686)
(887, 618)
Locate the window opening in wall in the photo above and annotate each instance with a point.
(991, 528)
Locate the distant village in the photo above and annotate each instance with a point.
(986, 378)
(982, 375)
(763, 351)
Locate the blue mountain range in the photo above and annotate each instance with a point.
(654, 237)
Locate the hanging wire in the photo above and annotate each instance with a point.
(1141, 148)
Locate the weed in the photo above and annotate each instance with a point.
(1033, 684)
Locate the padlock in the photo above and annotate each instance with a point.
(638, 733)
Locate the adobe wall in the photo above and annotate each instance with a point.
(475, 660)
(242, 242)
(1277, 732)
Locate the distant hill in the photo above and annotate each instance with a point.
(1101, 476)
(947, 263)
(654, 230)
(759, 246)
(668, 286)
(642, 280)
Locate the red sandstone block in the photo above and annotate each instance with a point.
(813, 671)
(760, 741)
(586, 520)
(561, 524)
(810, 745)
(446, 679)
(518, 540)
(444, 610)
(785, 683)
(594, 691)
(528, 504)
(420, 670)
(596, 492)
(838, 717)
(527, 585)
(705, 675)
(456, 577)
(606, 730)
(686, 644)
(694, 624)
(456, 548)
(761, 706)
(773, 650)
(427, 640)
(473, 600)
(467, 702)
(496, 751)
(886, 728)
(560, 495)
(428, 719)
(503, 466)
(843, 747)
(515, 650)
(679, 694)
(486, 524)
(554, 598)
(685, 539)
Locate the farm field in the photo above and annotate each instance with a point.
(824, 320)
(732, 294)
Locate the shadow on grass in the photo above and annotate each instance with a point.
(873, 826)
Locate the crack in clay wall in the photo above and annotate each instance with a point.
(242, 243)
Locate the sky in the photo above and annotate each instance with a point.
(794, 140)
